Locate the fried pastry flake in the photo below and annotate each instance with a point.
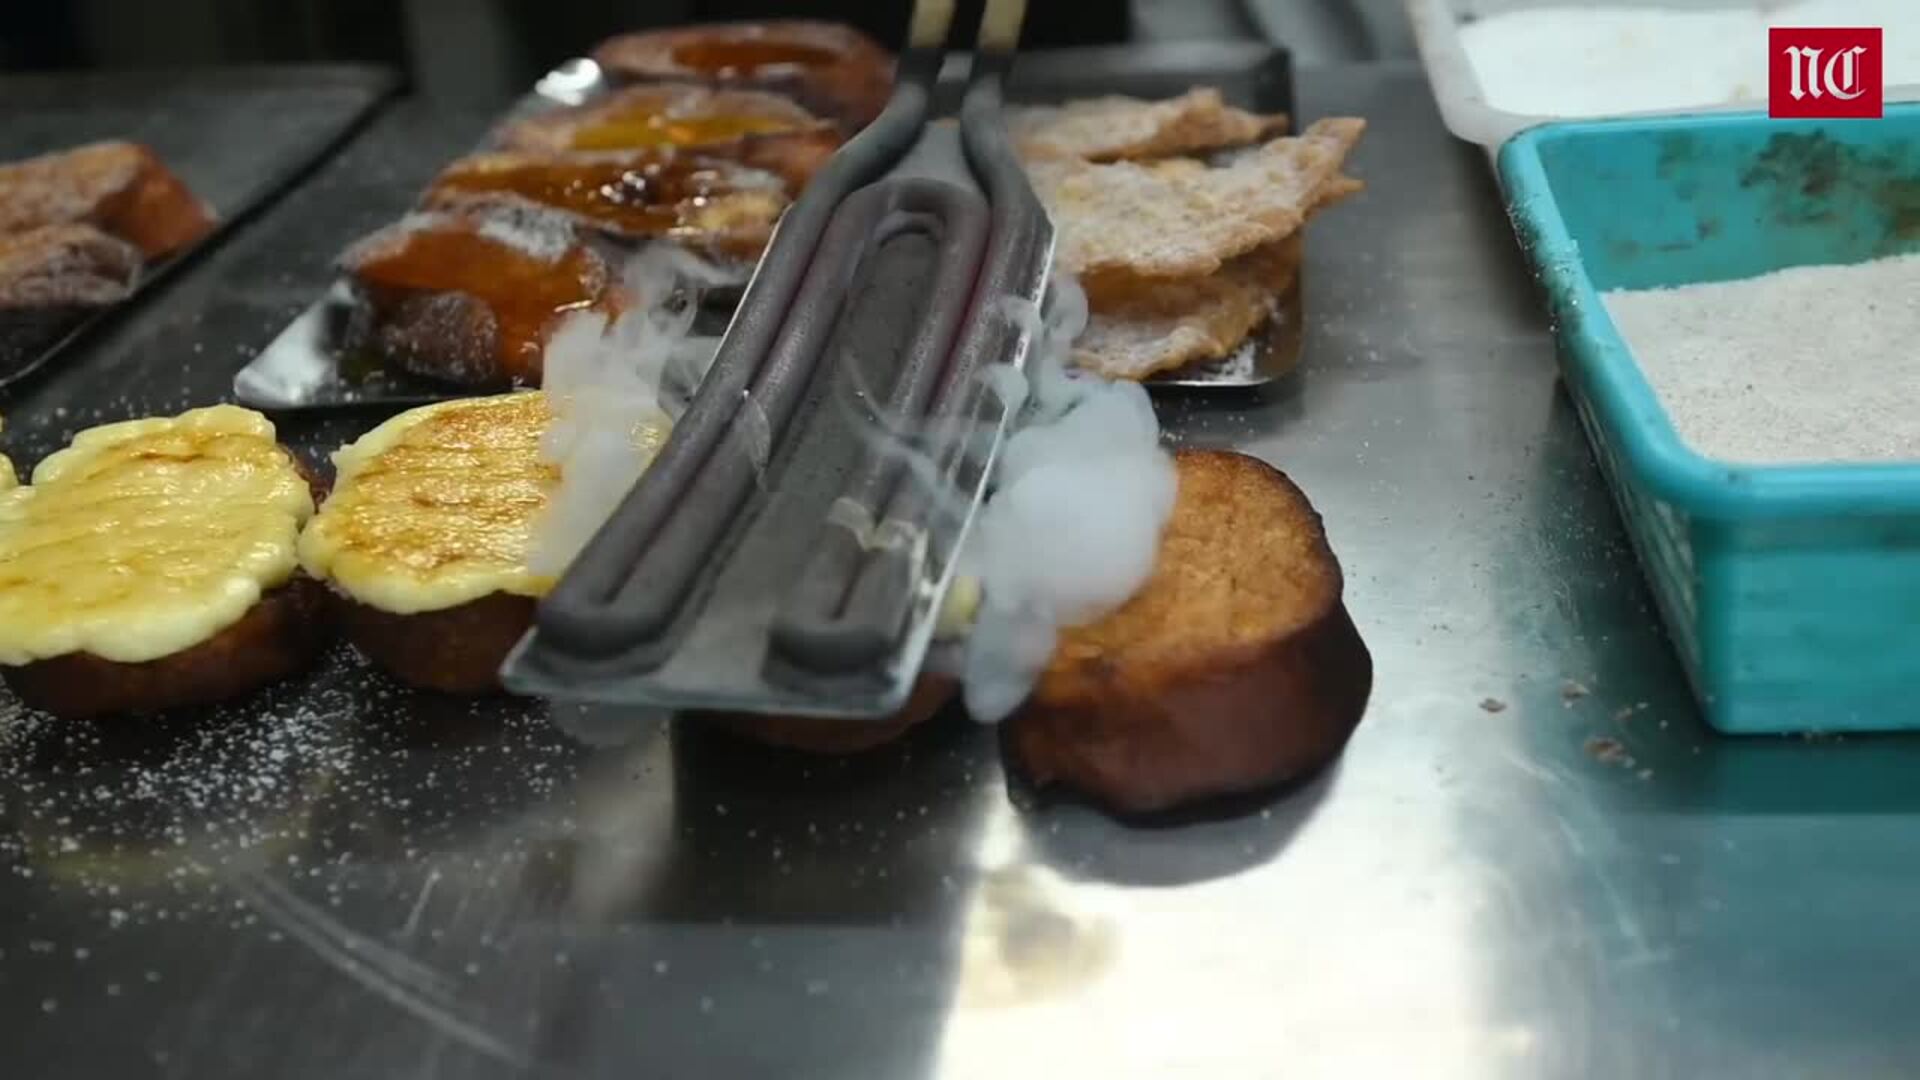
(1185, 219)
(1139, 332)
(1116, 128)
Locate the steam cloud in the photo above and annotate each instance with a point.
(615, 391)
(1081, 493)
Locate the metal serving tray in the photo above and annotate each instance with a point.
(309, 366)
(239, 137)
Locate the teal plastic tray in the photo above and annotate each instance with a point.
(1792, 593)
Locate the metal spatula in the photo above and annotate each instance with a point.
(788, 550)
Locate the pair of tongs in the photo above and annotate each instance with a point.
(790, 547)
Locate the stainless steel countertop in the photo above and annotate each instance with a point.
(1571, 879)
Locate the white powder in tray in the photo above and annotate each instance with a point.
(1815, 364)
(1569, 61)
(1576, 59)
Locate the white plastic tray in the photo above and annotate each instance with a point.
(1463, 106)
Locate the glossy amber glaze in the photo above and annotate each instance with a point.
(436, 507)
(654, 193)
(640, 127)
(525, 292)
(735, 58)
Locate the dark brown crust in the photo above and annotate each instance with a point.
(1259, 721)
(317, 486)
(446, 336)
(282, 635)
(817, 735)
(457, 650)
(852, 90)
(1143, 742)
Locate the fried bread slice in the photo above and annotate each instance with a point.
(151, 564)
(832, 69)
(1116, 128)
(118, 187)
(428, 536)
(278, 637)
(425, 538)
(1234, 669)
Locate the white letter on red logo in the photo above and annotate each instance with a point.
(1847, 86)
(1801, 58)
